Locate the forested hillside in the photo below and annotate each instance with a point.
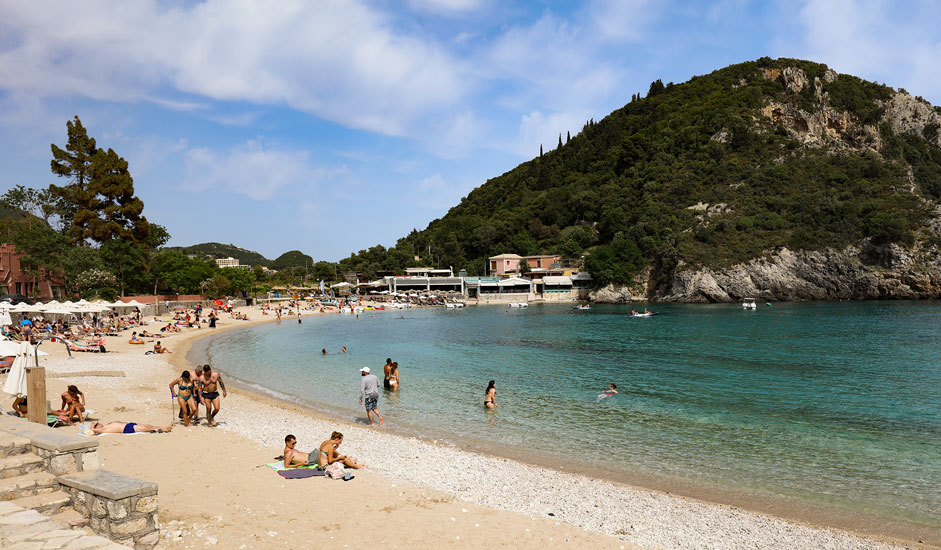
(706, 174)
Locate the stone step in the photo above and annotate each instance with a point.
(27, 485)
(18, 465)
(13, 445)
(46, 504)
(68, 516)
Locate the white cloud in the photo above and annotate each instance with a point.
(872, 39)
(537, 128)
(447, 6)
(253, 170)
(335, 59)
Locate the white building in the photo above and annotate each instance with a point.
(227, 262)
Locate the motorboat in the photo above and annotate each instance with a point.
(518, 304)
(645, 314)
(454, 305)
(749, 303)
(582, 307)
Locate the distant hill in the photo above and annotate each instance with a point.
(219, 250)
(775, 178)
(292, 258)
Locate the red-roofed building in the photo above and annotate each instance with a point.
(14, 280)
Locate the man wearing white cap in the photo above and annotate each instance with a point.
(369, 389)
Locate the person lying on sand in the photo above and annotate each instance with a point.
(127, 428)
(294, 458)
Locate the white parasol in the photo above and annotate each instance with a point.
(16, 380)
(11, 347)
(5, 314)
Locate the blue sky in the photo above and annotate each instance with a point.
(331, 126)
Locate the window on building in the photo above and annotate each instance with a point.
(19, 288)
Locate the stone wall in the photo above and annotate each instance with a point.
(121, 508)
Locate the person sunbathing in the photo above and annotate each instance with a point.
(160, 349)
(127, 428)
(20, 406)
(73, 404)
(328, 454)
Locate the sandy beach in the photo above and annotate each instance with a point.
(215, 489)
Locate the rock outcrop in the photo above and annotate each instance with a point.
(866, 272)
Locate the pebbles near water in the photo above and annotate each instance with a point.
(647, 518)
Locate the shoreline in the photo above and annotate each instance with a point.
(786, 509)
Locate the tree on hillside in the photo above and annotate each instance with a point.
(73, 163)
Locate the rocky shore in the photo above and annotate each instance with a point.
(865, 272)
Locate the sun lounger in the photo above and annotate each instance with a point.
(77, 346)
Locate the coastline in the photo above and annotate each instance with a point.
(214, 487)
(778, 509)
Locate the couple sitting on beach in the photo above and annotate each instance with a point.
(326, 457)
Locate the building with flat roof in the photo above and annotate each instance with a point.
(14, 280)
(504, 264)
(227, 262)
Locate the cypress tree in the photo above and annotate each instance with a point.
(540, 150)
(560, 140)
(568, 136)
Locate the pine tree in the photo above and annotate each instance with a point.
(98, 203)
(73, 163)
(108, 209)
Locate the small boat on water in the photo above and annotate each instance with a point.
(518, 304)
(582, 307)
(749, 303)
(647, 314)
(454, 305)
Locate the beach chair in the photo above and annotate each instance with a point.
(76, 346)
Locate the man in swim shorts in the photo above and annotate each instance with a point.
(294, 458)
(211, 382)
(127, 428)
(369, 390)
(387, 371)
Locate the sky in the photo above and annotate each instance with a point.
(332, 126)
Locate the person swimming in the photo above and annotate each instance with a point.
(612, 390)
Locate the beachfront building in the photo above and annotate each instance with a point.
(504, 264)
(227, 262)
(542, 262)
(13, 280)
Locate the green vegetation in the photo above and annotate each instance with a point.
(621, 189)
(219, 250)
(92, 236)
(292, 258)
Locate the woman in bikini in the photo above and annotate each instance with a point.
(394, 377)
(185, 396)
(490, 396)
(327, 454)
(73, 404)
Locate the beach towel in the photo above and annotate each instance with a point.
(300, 474)
(279, 465)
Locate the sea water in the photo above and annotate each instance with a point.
(836, 404)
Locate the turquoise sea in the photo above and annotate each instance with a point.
(834, 404)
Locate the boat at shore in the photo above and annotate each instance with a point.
(583, 307)
(749, 303)
(518, 305)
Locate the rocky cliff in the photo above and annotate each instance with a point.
(861, 272)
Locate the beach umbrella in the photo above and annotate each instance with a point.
(54, 311)
(11, 347)
(16, 380)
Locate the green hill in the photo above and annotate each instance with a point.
(219, 250)
(706, 174)
(292, 258)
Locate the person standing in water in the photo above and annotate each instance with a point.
(387, 371)
(394, 376)
(490, 396)
(369, 390)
